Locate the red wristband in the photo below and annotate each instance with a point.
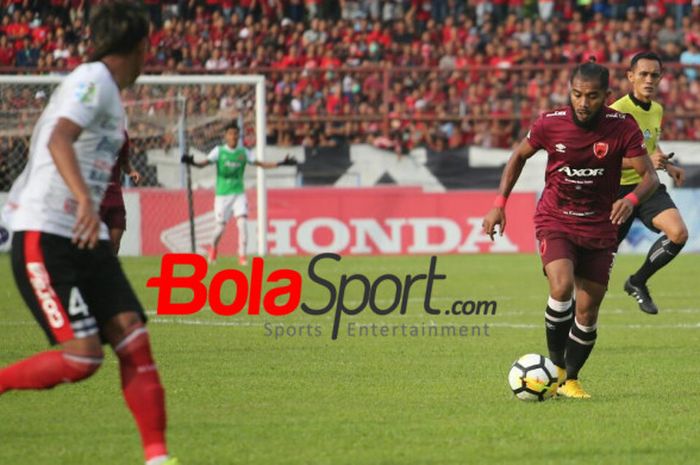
(500, 201)
(632, 197)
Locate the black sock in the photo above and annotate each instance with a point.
(578, 347)
(660, 254)
(557, 320)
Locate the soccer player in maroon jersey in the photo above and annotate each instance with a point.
(112, 210)
(578, 214)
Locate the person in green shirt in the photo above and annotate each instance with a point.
(658, 212)
(231, 159)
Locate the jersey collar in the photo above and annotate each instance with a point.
(646, 106)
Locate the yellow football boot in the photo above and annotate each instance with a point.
(572, 388)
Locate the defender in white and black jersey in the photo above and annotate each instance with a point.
(40, 199)
(61, 255)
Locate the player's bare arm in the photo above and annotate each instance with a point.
(622, 208)
(189, 160)
(658, 159)
(130, 171)
(87, 224)
(677, 174)
(511, 173)
(265, 164)
(662, 161)
(287, 161)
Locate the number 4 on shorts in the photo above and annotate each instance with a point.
(76, 304)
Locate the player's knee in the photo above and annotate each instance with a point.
(121, 326)
(219, 229)
(561, 289)
(587, 317)
(80, 367)
(678, 234)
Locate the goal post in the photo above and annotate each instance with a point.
(169, 113)
(258, 81)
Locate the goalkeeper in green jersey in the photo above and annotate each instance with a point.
(231, 159)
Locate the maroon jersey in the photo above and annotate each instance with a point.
(113, 194)
(583, 171)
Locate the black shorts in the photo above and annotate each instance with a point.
(646, 211)
(72, 293)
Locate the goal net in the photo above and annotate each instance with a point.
(171, 208)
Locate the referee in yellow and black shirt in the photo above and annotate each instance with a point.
(658, 212)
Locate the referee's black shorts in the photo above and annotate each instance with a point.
(71, 292)
(646, 211)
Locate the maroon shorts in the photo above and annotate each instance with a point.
(592, 258)
(114, 216)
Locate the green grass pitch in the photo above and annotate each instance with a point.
(238, 396)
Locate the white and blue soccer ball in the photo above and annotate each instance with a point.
(533, 377)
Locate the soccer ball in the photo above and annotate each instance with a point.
(533, 377)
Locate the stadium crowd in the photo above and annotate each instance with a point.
(398, 73)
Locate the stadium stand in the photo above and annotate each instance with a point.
(397, 74)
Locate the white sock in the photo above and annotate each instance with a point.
(586, 329)
(242, 235)
(158, 460)
(558, 306)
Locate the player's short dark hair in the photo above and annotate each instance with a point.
(592, 71)
(233, 125)
(117, 27)
(646, 56)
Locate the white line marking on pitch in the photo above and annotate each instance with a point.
(197, 322)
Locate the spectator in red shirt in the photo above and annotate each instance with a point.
(292, 58)
(4, 22)
(18, 29)
(73, 60)
(594, 50)
(334, 100)
(39, 33)
(7, 52)
(329, 59)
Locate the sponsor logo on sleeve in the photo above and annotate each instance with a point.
(616, 115)
(86, 93)
(556, 113)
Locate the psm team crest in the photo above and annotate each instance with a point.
(600, 149)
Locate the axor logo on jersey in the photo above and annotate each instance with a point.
(582, 172)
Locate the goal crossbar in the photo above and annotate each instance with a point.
(194, 79)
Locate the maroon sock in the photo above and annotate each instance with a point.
(46, 370)
(142, 391)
